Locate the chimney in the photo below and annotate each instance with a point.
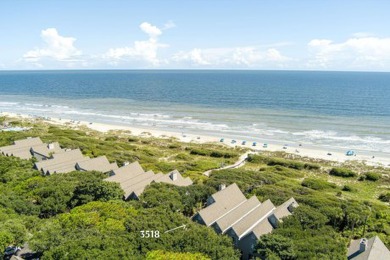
(50, 146)
(292, 206)
(221, 186)
(363, 245)
(173, 176)
(126, 163)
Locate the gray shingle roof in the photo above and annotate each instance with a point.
(225, 201)
(231, 213)
(246, 224)
(237, 214)
(47, 149)
(133, 179)
(375, 250)
(130, 185)
(21, 148)
(138, 187)
(264, 227)
(174, 178)
(100, 163)
(62, 162)
(28, 141)
(126, 172)
(284, 210)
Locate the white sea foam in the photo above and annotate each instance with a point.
(241, 125)
(333, 135)
(3, 103)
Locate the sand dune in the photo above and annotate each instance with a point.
(303, 151)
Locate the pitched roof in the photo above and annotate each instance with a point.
(126, 172)
(229, 190)
(138, 187)
(21, 148)
(262, 228)
(47, 149)
(100, 163)
(133, 179)
(64, 167)
(375, 249)
(28, 141)
(175, 178)
(224, 201)
(284, 210)
(246, 224)
(62, 162)
(21, 153)
(137, 182)
(237, 214)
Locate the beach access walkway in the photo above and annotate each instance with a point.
(240, 162)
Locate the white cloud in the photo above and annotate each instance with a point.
(196, 56)
(57, 47)
(145, 51)
(232, 57)
(354, 53)
(151, 30)
(168, 25)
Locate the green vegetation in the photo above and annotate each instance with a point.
(333, 209)
(157, 154)
(161, 255)
(79, 216)
(283, 162)
(276, 247)
(342, 172)
(318, 184)
(372, 176)
(385, 197)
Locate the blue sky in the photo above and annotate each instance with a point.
(298, 35)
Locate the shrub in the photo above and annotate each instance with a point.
(252, 158)
(174, 146)
(182, 156)
(132, 139)
(199, 152)
(111, 138)
(348, 188)
(385, 197)
(318, 184)
(311, 166)
(219, 154)
(342, 172)
(286, 163)
(372, 176)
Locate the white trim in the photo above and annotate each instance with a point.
(238, 220)
(257, 222)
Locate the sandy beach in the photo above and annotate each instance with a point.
(297, 149)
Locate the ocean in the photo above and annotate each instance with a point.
(326, 110)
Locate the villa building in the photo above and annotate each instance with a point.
(244, 220)
(100, 164)
(133, 179)
(368, 249)
(21, 148)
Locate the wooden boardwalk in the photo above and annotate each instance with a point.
(240, 162)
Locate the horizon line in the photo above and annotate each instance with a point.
(190, 69)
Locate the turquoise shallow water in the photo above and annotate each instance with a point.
(348, 110)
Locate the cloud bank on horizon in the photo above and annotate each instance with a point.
(361, 51)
